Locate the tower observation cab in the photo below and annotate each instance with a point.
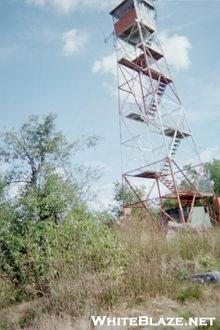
(126, 17)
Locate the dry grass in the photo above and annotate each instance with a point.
(148, 282)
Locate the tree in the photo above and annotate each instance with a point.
(34, 147)
(51, 201)
(192, 175)
(124, 195)
(214, 170)
(37, 158)
(198, 178)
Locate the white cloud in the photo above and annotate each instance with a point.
(66, 6)
(106, 64)
(176, 49)
(209, 154)
(73, 41)
(63, 6)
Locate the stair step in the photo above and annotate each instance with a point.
(154, 104)
(160, 90)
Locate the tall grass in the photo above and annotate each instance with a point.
(93, 268)
(156, 265)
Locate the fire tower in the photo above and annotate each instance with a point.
(156, 140)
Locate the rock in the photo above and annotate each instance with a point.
(174, 228)
(204, 278)
(186, 226)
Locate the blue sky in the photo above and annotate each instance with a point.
(53, 58)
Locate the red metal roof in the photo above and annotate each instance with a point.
(148, 175)
(188, 195)
(112, 13)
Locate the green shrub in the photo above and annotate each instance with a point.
(7, 292)
(42, 251)
(191, 292)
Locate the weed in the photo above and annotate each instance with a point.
(191, 292)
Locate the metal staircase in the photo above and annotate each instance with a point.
(156, 102)
(166, 173)
(168, 182)
(173, 151)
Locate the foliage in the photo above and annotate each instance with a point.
(51, 201)
(44, 224)
(37, 158)
(192, 175)
(8, 293)
(201, 182)
(41, 251)
(80, 267)
(170, 203)
(124, 195)
(36, 146)
(192, 291)
(84, 178)
(72, 260)
(214, 169)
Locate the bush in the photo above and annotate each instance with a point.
(8, 293)
(191, 292)
(42, 251)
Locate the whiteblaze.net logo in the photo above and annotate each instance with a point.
(100, 321)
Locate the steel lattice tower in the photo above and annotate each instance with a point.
(156, 140)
